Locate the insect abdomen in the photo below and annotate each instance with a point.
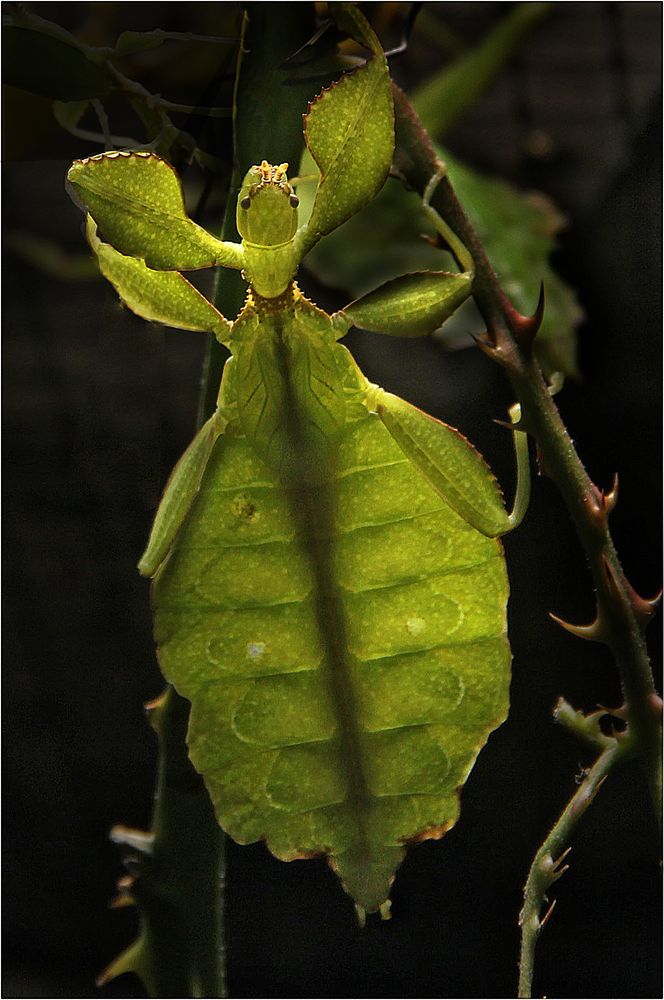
(238, 625)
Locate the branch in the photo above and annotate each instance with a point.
(548, 865)
(176, 874)
(622, 615)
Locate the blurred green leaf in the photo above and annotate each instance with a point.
(43, 58)
(49, 257)
(442, 100)
(519, 234)
(130, 42)
(68, 114)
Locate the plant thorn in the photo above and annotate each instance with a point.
(598, 786)
(559, 872)
(518, 426)
(124, 885)
(644, 607)
(595, 631)
(129, 961)
(154, 710)
(602, 503)
(562, 857)
(139, 840)
(524, 328)
(486, 345)
(586, 796)
(610, 499)
(547, 916)
(155, 704)
(121, 900)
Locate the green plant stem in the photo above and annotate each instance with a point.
(176, 876)
(621, 614)
(547, 866)
(189, 846)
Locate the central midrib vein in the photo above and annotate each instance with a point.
(313, 507)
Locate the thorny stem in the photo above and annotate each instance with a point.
(547, 866)
(621, 614)
(176, 874)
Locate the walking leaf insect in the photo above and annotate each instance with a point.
(329, 591)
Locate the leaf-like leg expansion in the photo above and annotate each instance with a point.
(413, 305)
(447, 460)
(157, 296)
(179, 495)
(136, 200)
(349, 131)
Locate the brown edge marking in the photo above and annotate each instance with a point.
(299, 855)
(430, 832)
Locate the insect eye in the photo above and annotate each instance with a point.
(245, 203)
(294, 201)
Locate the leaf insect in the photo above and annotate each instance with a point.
(329, 589)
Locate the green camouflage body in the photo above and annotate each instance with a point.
(338, 628)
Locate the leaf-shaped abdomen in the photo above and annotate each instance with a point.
(240, 624)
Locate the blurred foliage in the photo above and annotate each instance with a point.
(442, 99)
(43, 59)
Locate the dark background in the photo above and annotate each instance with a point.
(97, 407)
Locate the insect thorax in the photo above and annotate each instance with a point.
(270, 270)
